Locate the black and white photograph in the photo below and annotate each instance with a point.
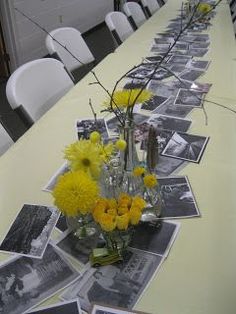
(25, 282)
(201, 38)
(160, 47)
(53, 180)
(177, 68)
(186, 146)
(30, 232)
(142, 72)
(104, 309)
(153, 59)
(62, 223)
(199, 64)
(167, 166)
(135, 83)
(156, 237)
(164, 40)
(180, 59)
(168, 108)
(169, 123)
(79, 249)
(197, 52)
(66, 307)
(86, 126)
(162, 89)
(202, 87)
(177, 198)
(191, 75)
(153, 103)
(119, 284)
(200, 45)
(113, 123)
(190, 98)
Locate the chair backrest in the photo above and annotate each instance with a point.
(133, 10)
(37, 86)
(5, 140)
(72, 39)
(151, 6)
(119, 26)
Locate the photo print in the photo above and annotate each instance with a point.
(135, 83)
(153, 103)
(177, 198)
(104, 309)
(186, 146)
(119, 284)
(180, 59)
(30, 232)
(191, 98)
(200, 45)
(156, 238)
(66, 307)
(53, 181)
(142, 72)
(61, 223)
(167, 166)
(168, 108)
(191, 75)
(162, 89)
(197, 52)
(26, 282)
(79, 249)
(169, 123)
(86, 126)
(199, 64)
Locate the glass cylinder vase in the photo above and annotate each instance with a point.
(82, 225)
(118, 239)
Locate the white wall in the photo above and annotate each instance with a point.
(28, 39)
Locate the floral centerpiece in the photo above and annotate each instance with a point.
(106, 184)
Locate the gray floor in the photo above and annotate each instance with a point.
(100, 43)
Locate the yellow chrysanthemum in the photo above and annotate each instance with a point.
(138, 171)
(134, 216)
(128, 98)
(107, 222)
(150, 181)
(204, 8)
(75, 193)
(84, 155)
(122, 222)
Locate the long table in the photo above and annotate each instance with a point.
(199, 274)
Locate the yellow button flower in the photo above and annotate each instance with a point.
(121, 145)
(95, 137)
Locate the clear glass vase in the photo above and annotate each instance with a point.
(153, 209)
(82, 225)
(118, 239)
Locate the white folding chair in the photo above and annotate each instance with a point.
(150, 6)
(5, 140)
(36, 86)
(119, 26)
(68, 45)
(134, 13)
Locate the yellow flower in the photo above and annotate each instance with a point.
(138, 171)
(75, 193)
(204, 8)
(107, 222)
(84, 155)
(138, 202)
(127, 98)
(124, 200)
(135, 216)
(121, 144)
(95, 137)
(122, 210)
(150, 181)
(122, 222)
(106, 151)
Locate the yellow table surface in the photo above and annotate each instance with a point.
(199, 274)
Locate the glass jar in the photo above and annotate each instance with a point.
(82, 225)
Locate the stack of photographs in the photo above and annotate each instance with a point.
(123, 284)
